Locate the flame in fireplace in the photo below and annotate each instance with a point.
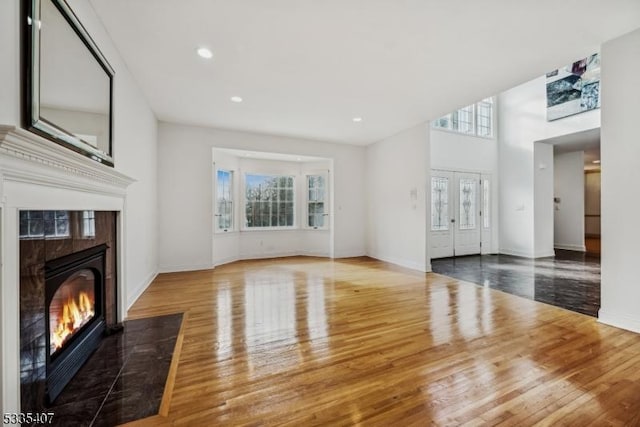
(75, 314)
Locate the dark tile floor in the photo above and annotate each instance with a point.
(570, 279)
(124, 379)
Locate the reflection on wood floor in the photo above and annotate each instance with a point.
(592, 245)
(308, 341)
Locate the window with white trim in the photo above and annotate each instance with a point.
(224, 200)
(317, 201)
(484, 118)
(475, 119)
(269, 201)
(463, 120)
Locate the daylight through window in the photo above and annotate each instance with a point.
(269, 201)
(224, 199)
(475, 119)
(316, 206)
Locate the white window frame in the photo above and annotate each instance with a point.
(218, 214)
(243, 196)
(452, 120)
(492, 113)
(325, 201)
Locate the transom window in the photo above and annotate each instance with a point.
(224, 199)
(269, 201)
(475, 119)
(316, 201)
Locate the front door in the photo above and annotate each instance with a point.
(455, 214)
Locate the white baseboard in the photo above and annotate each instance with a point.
(516, 252)
(350, 254)
(544, 254)
(623, 321)
(318, 254)
(579, 248)
(267, 255)
(131, 299)
(226, 260)
(179, 268)
(422, 267)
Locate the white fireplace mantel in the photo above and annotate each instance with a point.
(38, 174)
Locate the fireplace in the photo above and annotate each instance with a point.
(68, 297)
(74, 313)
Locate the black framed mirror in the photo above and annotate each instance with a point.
(68, 81)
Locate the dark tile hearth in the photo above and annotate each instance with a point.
(569, 280)
(124, 379)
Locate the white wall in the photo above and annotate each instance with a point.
(569, 187)
(134, 145)
(240, 243)
(592, 203)
(186, 199)
(620, 151)
(10, 69)
(543, 200)
(135, 154)
(458, 152)
(521, 122)
(397, 168)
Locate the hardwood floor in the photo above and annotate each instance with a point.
(307, 341)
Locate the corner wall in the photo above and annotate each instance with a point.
(397, 173)
(240, 243)
(620, 151)
(568, 225)
(543, 178)
(521, 122)
(468, 153)
(186, 192)
(135, 136)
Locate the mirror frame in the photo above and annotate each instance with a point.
(34, 122)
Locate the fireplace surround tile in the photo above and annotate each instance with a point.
(127, 373)
(34, 253)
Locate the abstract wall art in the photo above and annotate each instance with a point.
(574, 89)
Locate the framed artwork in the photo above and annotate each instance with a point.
(574, 89)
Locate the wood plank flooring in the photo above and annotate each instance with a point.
(307, 341)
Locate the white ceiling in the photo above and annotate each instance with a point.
(305, 68)
(261, 155)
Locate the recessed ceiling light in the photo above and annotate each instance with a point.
(597, 162)
(236, 99)
(357, 119)
(205, 53)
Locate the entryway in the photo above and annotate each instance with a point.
(460, 220)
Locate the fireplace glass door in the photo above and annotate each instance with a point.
(72, 307)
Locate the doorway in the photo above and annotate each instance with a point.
(458, 223)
